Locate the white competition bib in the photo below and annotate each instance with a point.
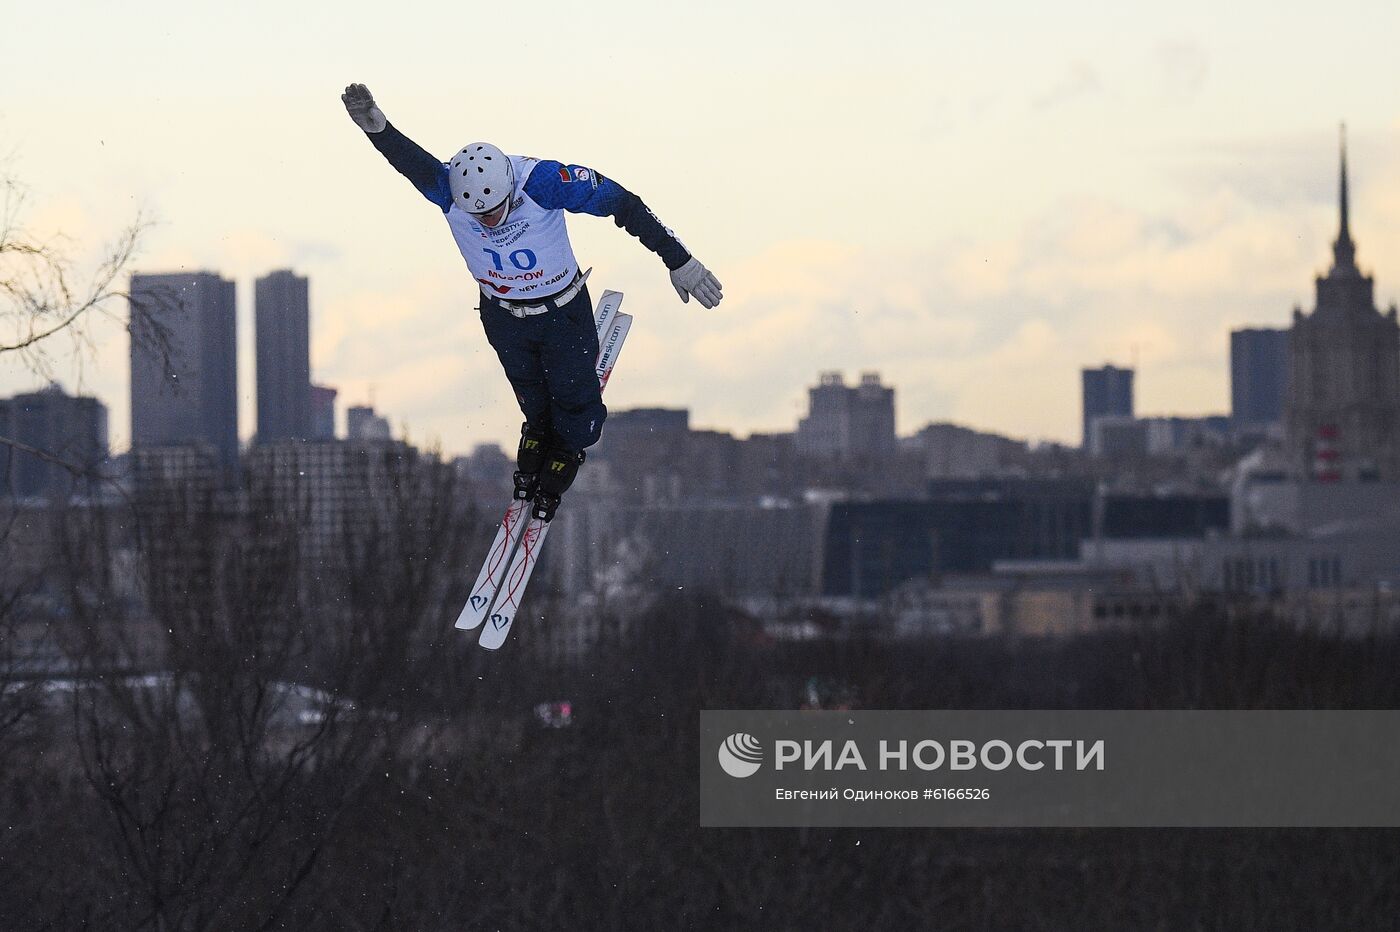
(528, 255)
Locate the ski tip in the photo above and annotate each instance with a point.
(498, 624)
(492, 638)
(473, 613)
(468, 621)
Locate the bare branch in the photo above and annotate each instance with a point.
(77, 471)
(42, 297)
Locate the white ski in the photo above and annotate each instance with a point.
(497, 562)
(508, 598)
(527, 552)
(513, 554)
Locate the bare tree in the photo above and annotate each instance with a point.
(44, 296)
(235, 694)
(46, 300)
(19, 698)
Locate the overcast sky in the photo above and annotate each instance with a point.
(975, 202)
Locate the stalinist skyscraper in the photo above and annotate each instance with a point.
(1343, 411)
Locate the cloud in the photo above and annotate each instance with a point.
(1023, 382)
(1289, 171)
(1080, 79)
(1122, 283)
(987, 326)
(945, 116)
(1182, 65)
(992, 329)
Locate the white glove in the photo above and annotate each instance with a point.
(359, 103)
(694, 279)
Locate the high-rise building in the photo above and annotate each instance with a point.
(184, 388)
(341, 491)
(1117, 437)
(1108, 392)
(487, 468)
(648, 421)
(1343, 411)
(322, 412)
(646, 454)
(361, 423)
(283, 336)
(1166, 435)
(844, 421)
(1258, 377)
(952, 451)
(70, 433)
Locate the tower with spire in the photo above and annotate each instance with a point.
(1344, 250)
(1343, 409)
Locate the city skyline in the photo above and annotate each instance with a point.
(284, 390)
(1088, 187)
(1057, 369)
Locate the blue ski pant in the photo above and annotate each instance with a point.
(551, 361)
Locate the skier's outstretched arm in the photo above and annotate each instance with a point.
(428, 175)
(581, 190)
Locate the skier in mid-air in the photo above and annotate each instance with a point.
(506, 213)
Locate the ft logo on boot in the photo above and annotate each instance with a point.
(560, 470)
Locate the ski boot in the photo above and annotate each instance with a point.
(529, 460)
(561, 466)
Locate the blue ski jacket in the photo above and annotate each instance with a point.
(554, 186)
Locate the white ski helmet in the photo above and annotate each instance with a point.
(481, 177)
